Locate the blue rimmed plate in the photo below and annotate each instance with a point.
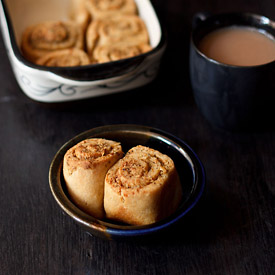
(189, 167)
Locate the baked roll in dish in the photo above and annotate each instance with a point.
(107, 8)
(84, 168)
(80, 14)
(64, 58)
(129, 29)
(108, 53)
(142, 188)
(42, 38)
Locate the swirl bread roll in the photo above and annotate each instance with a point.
(129, 29)
(64, 58)
(42, 38)
(142, 188)
(106, 8)
(79, 13)
(84, 168)
(108, 53)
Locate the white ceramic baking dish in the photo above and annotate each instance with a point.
(53, 84)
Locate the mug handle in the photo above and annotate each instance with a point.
(199, 17)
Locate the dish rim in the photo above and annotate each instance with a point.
(110, 229)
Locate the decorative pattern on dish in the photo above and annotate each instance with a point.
(39, 90)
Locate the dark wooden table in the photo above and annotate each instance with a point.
(230, 232)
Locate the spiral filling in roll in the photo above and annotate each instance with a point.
(79, 13)
(84, 168)
(142, 188)
(123, 34)
(39, 39)
(107, 30)
(107, 8)
(107, 53)
(64, 58)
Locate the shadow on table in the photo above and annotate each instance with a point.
(211, 219)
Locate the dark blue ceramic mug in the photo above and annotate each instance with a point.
(234, 98)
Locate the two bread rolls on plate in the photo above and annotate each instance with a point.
(139, 188)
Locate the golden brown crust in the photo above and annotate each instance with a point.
(42, 38)
(84, 167)
(80, 14)
(64, 58)
(107, 30)
(129, 29)
(108, 53)
(142, 188)
(106, 8)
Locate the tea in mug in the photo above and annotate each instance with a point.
(239, 46)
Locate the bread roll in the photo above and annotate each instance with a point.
(129, 29)
(79, 13)
(42, 38)
(107, 8)
(64, 58)
(84, 168)
(142, 188)
(108, 53)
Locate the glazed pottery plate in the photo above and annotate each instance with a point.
(187, 163)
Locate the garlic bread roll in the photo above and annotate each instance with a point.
(42, 38)
(106, 8)
(142, 188)
(64, 58)
(108, 53)
(84, 168)
(129, 29)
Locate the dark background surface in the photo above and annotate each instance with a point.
(230, 232)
